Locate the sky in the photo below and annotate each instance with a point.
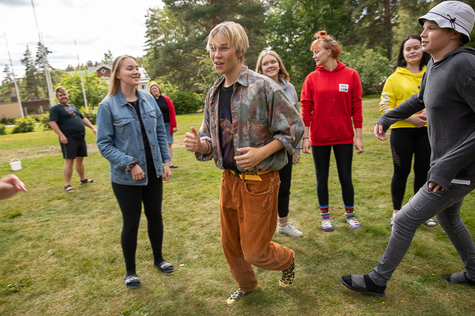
(97, 26)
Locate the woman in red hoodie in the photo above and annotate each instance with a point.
(332, 113)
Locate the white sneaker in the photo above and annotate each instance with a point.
(289, 230)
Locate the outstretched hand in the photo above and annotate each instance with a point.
(9, 185)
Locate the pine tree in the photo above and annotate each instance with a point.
(176, 37)
(30, 86)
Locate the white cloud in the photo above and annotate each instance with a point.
(97, 26)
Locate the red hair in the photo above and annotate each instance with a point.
(325, 41)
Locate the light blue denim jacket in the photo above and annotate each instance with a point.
(119, 136)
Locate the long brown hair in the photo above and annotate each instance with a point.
(282, 71)
(114, 86)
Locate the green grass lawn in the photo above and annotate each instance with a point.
(60, 253)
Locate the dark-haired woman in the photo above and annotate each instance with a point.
(409, 137)
(331, 108)
(131, 135)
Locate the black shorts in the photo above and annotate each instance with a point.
(76, 147)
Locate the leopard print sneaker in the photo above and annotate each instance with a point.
(288, 275)
(236, 296)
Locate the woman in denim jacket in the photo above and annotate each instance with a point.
(131, 135)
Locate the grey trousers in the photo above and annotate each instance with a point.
(422, 206)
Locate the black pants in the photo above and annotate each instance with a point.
(344, 158)
(284, 191)
(130, 200)
(405, 143)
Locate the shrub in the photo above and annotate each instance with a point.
(24, 124)
(185, 101)
(2, 129)
(372, 67)
(90, 114)
(44, 119)
(7, 121)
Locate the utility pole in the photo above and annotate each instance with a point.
(14, 79)
(49, 83)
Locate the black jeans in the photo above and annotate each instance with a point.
(130, 200)
(344, 159)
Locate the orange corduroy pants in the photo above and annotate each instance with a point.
(248, 213)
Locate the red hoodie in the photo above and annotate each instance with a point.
(330, 99)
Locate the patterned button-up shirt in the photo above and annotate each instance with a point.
(261, 112)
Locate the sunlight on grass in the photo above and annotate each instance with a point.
(61, 254)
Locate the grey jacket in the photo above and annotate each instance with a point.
(448, 94)
(289, 90)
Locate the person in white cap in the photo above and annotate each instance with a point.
(447, 94)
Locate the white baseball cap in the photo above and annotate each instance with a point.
(452, 14)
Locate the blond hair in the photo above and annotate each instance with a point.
(234, 34)
(154, 84)
(114, 86)
(325, 41)
(282, 71)
(60, 89)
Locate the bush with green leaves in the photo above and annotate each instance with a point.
(372, 67)
(24, 124)
(44, 119)
(7, 121)
(185, 102)
(90, 114)
(2, 129)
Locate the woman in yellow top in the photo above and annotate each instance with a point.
(408, 137)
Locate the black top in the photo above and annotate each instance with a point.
(146, 143)
(162, 104)
(226, 128)
(68, 118)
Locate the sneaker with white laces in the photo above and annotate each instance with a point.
(327, 225)
(289, 230)
(353, 223)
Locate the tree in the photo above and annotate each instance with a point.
(108, 58)
(30, 86)
(292, 25)
(41, 62)
(176, 37)
(95, 89)
(8, 86)
(373, 22)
